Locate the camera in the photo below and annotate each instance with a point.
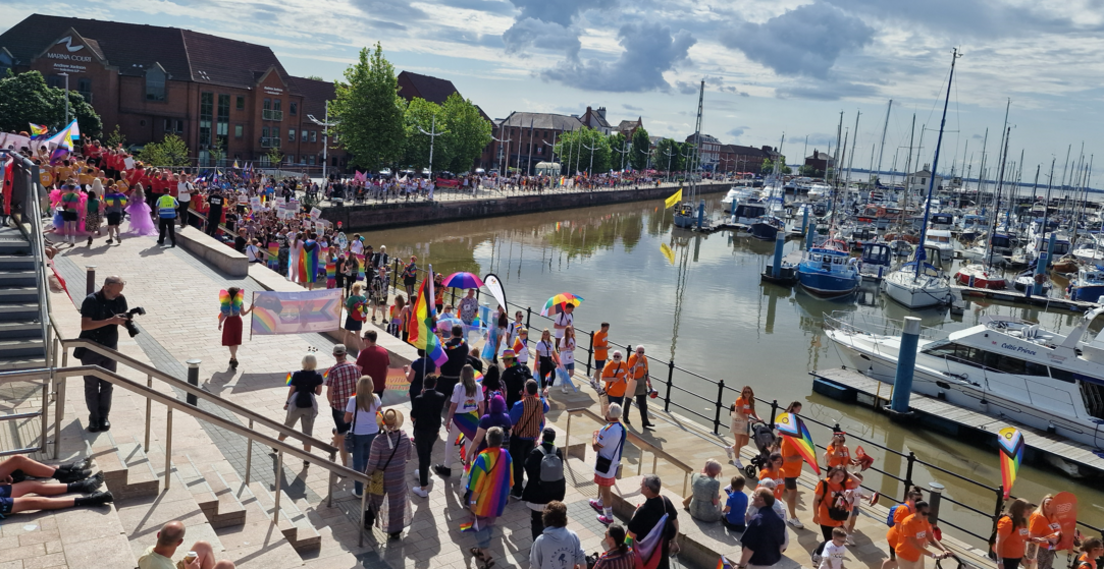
(129, 324)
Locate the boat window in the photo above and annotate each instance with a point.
(1093, 396)
(1062, 375)
(1032, 368)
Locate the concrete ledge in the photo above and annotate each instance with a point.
(213, 251)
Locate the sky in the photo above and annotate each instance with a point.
(783, 67)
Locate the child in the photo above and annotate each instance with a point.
(832, 552)
(736, 505)
(855, 495)
(1092, 549)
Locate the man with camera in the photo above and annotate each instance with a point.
(101, 314)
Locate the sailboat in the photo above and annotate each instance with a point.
(685, 217)
(912, 285)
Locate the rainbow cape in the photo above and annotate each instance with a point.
(273, 255)
(360, 266)
(331, 274)
(115, 199)
(419, 326)
(490, 482)
(648, 547)
(468, 423)
(230, 306)
(1011, 456)
(791, 427)
(308, 262)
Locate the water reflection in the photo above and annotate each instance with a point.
(707, 310)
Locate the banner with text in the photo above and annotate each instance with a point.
(296, 312)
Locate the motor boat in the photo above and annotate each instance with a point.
(980, 276)
(766, 228)
(829, 270)
(1089, 284)
(1002, 367)
(941, 240)
(818, 190)
(748, 212)
(875, 261)
(739, 194)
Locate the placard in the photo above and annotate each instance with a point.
(315, 213)
(128, 163)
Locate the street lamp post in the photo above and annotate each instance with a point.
(325, 124)
(501, 155)
(590, 169)
(66, 76)
(669, 156)
(433, 134)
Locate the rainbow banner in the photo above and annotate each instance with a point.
(791, 427)
(490, 480)
(296, 312)
(1011, 456)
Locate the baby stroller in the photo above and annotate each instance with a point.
(763, 436)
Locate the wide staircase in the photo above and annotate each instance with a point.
(21, 330)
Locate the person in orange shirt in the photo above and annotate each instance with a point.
(1091, 550)
(639, 386)
(600, 343)
(791, 469)
(914, 535)
(1012, 535)
(614, 376)
(773, 470)
(893, 535)
(837, 453)
(1045, 532)
(830, 505)
(741, 412)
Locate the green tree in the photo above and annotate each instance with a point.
(668, 155)
(25, 98)
(617, 143)
(419, 116)
(369, 111)
(217, 151)
(170, 152)
(115, 139)
(468, 133)
(577, 145)
(768, 166)
(275, 157)
(641, 146)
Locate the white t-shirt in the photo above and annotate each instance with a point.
(611, 438)
(252, 253)
(832, 556)
(183, 192)
(544, 349)
(567, 352)
(364, 421)
(465, 404)
(563, 319)
(357, 247)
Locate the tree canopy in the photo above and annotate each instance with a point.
(574, 149)
(669, 155)
(25, 98)
(369, 112)
(641, 146)
(170, 152)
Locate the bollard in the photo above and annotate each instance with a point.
(804, 220)
(906, 365)
(936, 496)
(1040, 272)
(1050, 246)
(809, 237)
(90, 279)
(193, 379)
(779, 244)
(701, 214)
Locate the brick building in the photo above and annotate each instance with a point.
(710, 151)
(528, 138)
(153, 81)
(736, 158)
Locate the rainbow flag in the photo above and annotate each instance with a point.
(360, 266)
(38, 129)
(648, 547)
(1011, 456)
(273, 255)
(468, 423)
(791, 427)
(63, 142)
(420, 325)
(115, 199)
(308, 262)
(264, 320)
(287, 380)
(490, 480)
(331, 274)
(724, 563)
(467, 526)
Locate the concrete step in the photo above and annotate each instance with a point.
(22, 362)
(20, 328)
(264, 543)
(10, 262)
(18, 311)
(14, 246)
(17, 278)
(18, 294)
(26, 348)
(296, 527)
(127, 470)
(219, 502)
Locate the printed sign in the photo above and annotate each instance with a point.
(315, 213)
(296, 312)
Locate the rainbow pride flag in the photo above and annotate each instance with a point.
(331, 274)
(1011, 456)
(38, 129)
(467, 526)
(287, 380)
(360, 266)
(273, 255)
(468, 423)
(308, 262)
(795, 431)
(420, 324)
(490, 480)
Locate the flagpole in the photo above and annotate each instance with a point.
(427, 297)
(252, 315)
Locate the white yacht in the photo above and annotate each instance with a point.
(1002, 367)
(819, 190)
(738, 194)
(918, 284)
(941, 239)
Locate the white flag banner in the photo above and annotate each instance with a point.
(296, 312)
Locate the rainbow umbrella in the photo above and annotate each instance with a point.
(463, 280)
(556, 304)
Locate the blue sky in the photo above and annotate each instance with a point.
(783, 66)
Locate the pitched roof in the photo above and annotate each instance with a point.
(628, 125)
(432, 89)
(132, 48)
(315, 94)
(542, 120)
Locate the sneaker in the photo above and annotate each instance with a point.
(850, 540)
(738, 464)
(442, 470)
(417, 472)
(731, 454)
(109, 241)
(816, 560)
(605, 520)
(795, 523)
(563, 389)
(597, 506)
(419, 492)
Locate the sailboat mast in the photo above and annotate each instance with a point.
(996, 203)
(935, 163)
(885, 127)
(854, 140)
(835, 188)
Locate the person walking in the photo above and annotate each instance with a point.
(614, 375)
(567, 356)
(341, 383)
(456, 349)
(557, 547)
(545, 349)
(900, 513)
(741, 412)
(390, 451)
(514, 378)
(1012, 535)
(563, 320)
(166, 214)
(374, 361)
(230, 315)
(654, 526)
(360, 414)
(416, 373)
(791, 470)
(92, 217)
(465, 411)
(468, 310)
(527, 416)
(114, 205)
(916, 533)
(101, 314)
(355, 314)
(301, 405)
(489, 485)
(496, 332)
(640, 385)
(521, 348)
(544, 467)
(1045, 532)
(425, 412)
(608, 442)
(765, 537)
(410, 276)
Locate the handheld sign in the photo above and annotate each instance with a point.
(1065, 515)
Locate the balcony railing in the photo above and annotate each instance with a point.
(270, 115)
(270, 142)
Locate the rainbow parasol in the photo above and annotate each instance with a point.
(556, 304)
(463, 280)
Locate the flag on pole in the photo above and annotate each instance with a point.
(420, 325)
(794, 430)
(1011, 456)
(62, 143)
(236, 167)
(38, 129)
(74, 131)
(674, 199)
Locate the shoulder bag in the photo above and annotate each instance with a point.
(375, 480)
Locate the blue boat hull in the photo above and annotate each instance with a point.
(826, 284)
(1087, 293)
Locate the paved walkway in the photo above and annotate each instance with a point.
(180, 296)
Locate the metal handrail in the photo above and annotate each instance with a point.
(191, 390)
(171, 403)
(636, 440)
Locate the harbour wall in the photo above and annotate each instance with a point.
(403, 214)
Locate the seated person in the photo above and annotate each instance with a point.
(171, 537)
(18, 468)
(73, 478)
(736, 505)
(704, 502)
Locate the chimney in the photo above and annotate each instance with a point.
(602, 112)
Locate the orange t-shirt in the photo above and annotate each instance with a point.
(834, 492)
(1086, 562)
(791, 467)
(1039, 526)
(641, 371)
(614, 376)
(1013, 539)
(918, 527)
(903, 511)
(601, 346)
(742, 405)
(838, 456)
(775, 475)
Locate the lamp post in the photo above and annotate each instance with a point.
(669, 156)
(433, 134)
(624, 150)
(590, 169)
(501, 154)
(66, 76)
(325, 124)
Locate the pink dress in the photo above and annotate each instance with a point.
(141, 223)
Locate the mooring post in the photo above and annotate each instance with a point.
(906, 365)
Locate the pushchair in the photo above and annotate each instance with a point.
(763, 436)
